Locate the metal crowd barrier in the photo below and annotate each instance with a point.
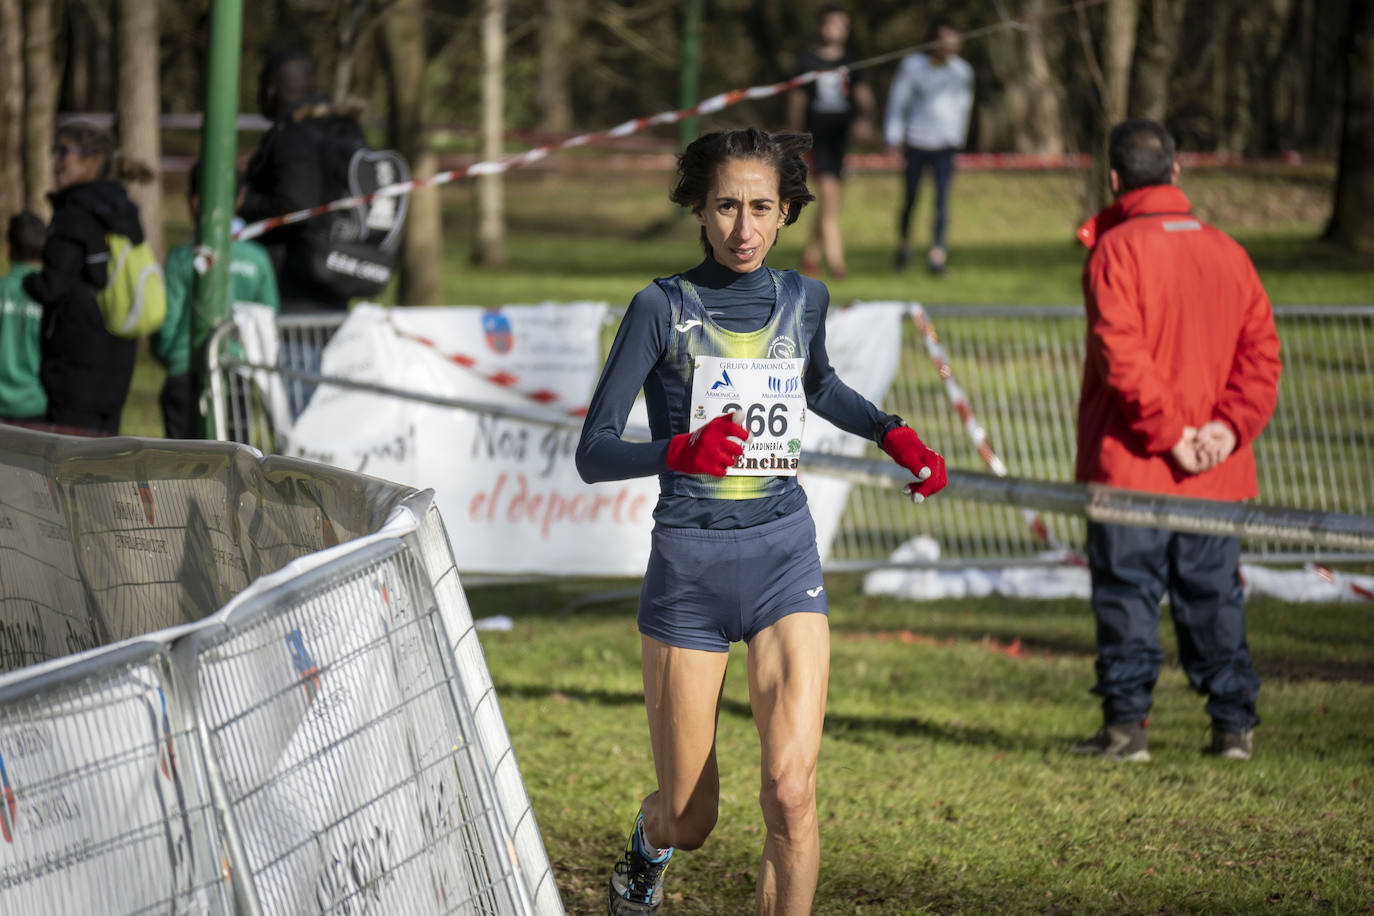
(239, 684)
(1021, 367)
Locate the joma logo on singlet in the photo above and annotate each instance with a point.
(687, 325)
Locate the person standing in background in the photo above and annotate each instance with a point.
(21, 391)
(928, 109)
(1181, 374)
(251, 279)
(294, 168)
(86, 369)
(838, 101)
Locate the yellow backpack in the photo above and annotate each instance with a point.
(134, 300)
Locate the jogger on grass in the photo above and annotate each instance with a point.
(731, 355)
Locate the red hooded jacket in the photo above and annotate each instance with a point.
(1179, 333)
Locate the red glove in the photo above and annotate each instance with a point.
(907, 449)
(711, 449)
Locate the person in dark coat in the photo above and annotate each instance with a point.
(85, 370)
(295, 167)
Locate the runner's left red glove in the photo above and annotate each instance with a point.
(907, 449)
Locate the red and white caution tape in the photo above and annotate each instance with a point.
(499, 377)
(709, 106)
(494, 167)
(959, 400)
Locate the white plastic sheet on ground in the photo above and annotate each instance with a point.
(1066, 580)
(508, 489)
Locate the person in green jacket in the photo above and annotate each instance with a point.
(21, 390)
(251, 279)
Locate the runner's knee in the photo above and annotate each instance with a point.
(788, 799)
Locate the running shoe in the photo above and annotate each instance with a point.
(636, 885)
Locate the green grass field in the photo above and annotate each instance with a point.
(945, 783)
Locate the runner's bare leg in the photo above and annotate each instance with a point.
(789, 672)
(682, 689)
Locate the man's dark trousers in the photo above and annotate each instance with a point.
(1132, 568)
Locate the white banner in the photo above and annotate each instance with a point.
(509, 490)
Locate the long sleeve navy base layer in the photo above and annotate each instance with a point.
(737, 302)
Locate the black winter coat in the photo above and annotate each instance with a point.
(86, 370)
(302, 162)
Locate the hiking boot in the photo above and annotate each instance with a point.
(1232, 745)
(636, 885)
(1118, 741)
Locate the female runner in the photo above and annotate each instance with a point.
(731, 355)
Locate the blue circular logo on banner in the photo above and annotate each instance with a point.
(496, 328)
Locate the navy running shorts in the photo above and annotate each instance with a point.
(705, 588)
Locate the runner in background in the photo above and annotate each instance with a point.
(731, 356)
(828, 109)
(928, 110)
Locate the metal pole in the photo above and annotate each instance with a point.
(689, 80)
(218, 145)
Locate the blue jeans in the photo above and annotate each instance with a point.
(941, 165)
(1132, 568)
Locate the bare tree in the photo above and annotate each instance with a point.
(556, 31)
(11, 109)
(1113, 79)
(1352, 220)
(491, 226)
(137, 106)
(404, 34)
(1027, 114)
(1154, 64)
(40, 103)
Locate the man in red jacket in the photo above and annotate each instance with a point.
(1181, 375)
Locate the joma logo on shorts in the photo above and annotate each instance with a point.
(813, 592)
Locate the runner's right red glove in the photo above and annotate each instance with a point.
(907, 449)
(711, 449)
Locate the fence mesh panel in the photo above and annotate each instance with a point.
(356, 783)
(98, 808)
(1021, 368)
(303, 684)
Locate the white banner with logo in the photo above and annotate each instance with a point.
(508, 490)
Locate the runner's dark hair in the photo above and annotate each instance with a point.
(701, 160)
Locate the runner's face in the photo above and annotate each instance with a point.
(742, 213)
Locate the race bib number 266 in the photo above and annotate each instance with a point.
(771, 396)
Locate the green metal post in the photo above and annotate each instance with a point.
(689, 80)
(219, 149)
